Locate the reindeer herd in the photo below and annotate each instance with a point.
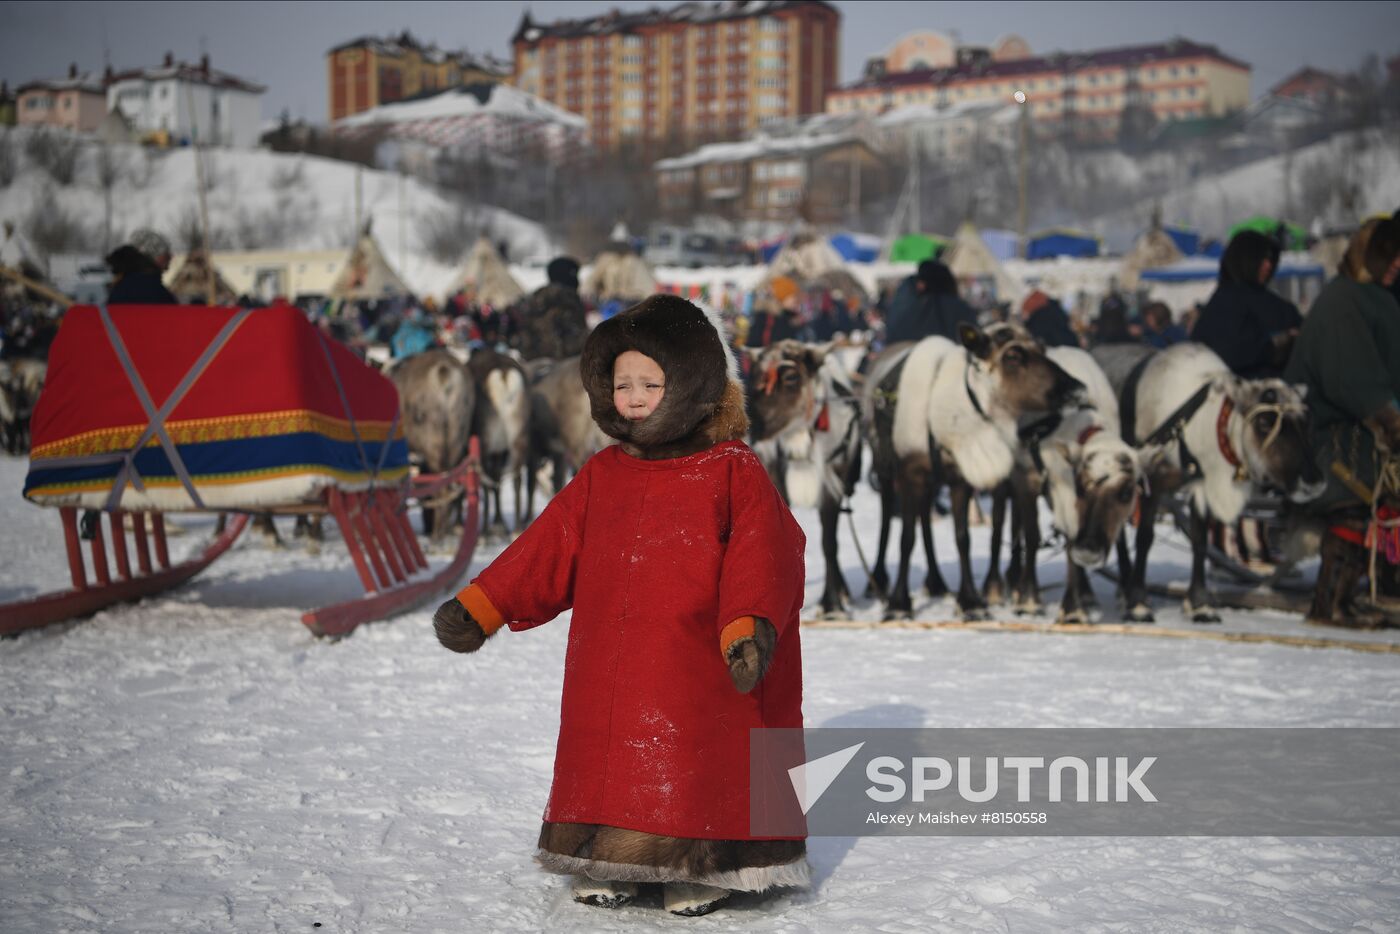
(1104, 438)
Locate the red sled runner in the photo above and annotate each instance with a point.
(156, 409)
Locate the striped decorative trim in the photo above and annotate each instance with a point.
(386, 477)
(223, 428)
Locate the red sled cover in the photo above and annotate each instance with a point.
(172, 407)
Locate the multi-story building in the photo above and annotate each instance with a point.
(77, 102)
(1083, 95)
(178, 101)
(822, 178)
(369, 72)
(694, 71)
(956, 133)
(481, 120)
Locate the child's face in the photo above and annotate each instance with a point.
(638, 385)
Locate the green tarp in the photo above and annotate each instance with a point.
(915, 248)
(1297, 236)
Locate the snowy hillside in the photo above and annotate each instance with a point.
(1367, 163)
(256, 199)
(200, 762)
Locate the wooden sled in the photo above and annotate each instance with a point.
(375, 526)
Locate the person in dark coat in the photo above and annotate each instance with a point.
(927, 304)
(1158, 329)
(1348, 357)
(1048, 321)
(1112, 324)
(772, 324)
(1249, 327)
(137, 268)
(553, 321)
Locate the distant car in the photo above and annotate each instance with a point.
(675, 247)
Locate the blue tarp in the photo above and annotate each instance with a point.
(1187, 241)
(1061, 243)
(1197, 268)
(770, 248)
(1001, 243)
(856, 248)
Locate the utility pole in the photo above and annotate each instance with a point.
(1022, 157)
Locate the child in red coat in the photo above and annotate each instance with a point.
(684, 570)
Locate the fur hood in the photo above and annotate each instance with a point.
(704, 401)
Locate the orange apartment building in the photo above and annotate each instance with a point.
(369, 71)
(1078, 94)
(697, 70)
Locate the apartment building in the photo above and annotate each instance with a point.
(697, 70)
(369, 72)
(1083, 95)
(186, 101)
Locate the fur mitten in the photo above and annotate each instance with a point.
(748, 654)
(456, 629)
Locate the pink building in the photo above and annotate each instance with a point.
(78, 102)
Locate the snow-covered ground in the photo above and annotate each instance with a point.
(200, 762)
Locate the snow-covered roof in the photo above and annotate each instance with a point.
(756, 148)
(191, 74)
(88, 82)
(499, 99)
(995, 111)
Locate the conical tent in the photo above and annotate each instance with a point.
(367, 274)
(486, 278)
(969, 258)
(1153, 250)
(618, 273)
(190, 282)
(916, 247)
(813, 263)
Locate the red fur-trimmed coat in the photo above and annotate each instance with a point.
(656, 558)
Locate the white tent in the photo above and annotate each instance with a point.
(621, 274)
(1153, 250)
(812, 262)
(969, 258)
(486, 278)
(367, 274)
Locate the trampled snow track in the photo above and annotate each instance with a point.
(201, 762)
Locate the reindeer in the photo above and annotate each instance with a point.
(562, 431)
(1220, 438)
(805, 427)
(1077, 460)
(955, 422)
(878, 396)
(438, 400)
(21, 381)
(502, 422)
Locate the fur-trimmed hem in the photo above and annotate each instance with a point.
(795, 875)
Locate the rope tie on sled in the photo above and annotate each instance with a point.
(155, 428)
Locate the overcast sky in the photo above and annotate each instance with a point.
(283, 44)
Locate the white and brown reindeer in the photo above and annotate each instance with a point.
(956, 409)
(1077, 460)
(501, 422)
(1212, 435)
(437, 399)
(804, 423)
